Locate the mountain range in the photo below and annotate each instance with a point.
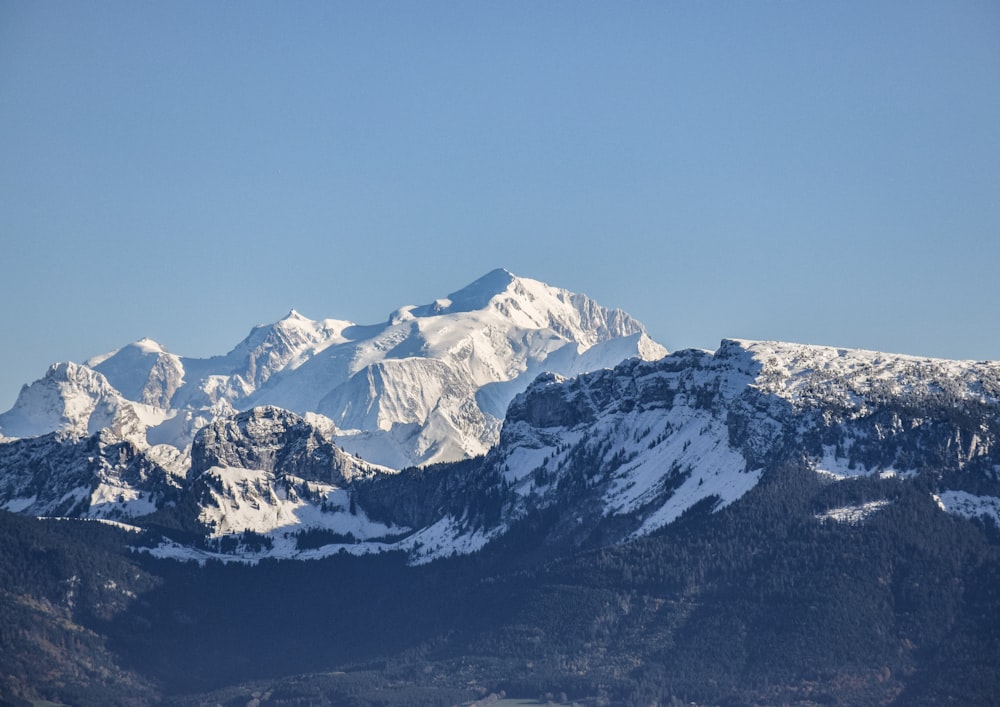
(557, 401)
(430, 384)
(566, 504)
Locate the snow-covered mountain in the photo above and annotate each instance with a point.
(647, 441)
(291, 444)
(619, 453)
(430, 384)
(143, 371)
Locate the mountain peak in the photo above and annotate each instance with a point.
(479, 293)
(63, 400)
(137, 348)
(293, 321)
(147, 345)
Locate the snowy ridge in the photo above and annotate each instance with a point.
(636, 446)
(865, 412)
(267, 350)
(970, 505)
(139, 429)
(854, 379)
(649, 440)
(267, 483)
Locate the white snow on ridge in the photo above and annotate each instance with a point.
(970, 505)
(432, 383)
(698, 445)
(77, 401)
(803, 372)
(143, 372)
(64, 400)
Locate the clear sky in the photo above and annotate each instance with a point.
(819, 172)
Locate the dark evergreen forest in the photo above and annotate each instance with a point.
(760, 603)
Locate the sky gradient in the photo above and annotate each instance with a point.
(803, 171)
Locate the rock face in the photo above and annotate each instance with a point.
(649, 440)
(90, 477)
(270, 471)
(643, 442)
(275, 441)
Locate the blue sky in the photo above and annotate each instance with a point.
(805, 171)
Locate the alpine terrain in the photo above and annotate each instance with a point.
(144, 433)
(511, 489)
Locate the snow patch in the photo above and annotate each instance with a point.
(852, 515)
(257, 501)
(969, 505)
(445, 538)
(111, 500)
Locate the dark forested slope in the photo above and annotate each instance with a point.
(771, 600)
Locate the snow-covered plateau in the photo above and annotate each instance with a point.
(441, 429)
